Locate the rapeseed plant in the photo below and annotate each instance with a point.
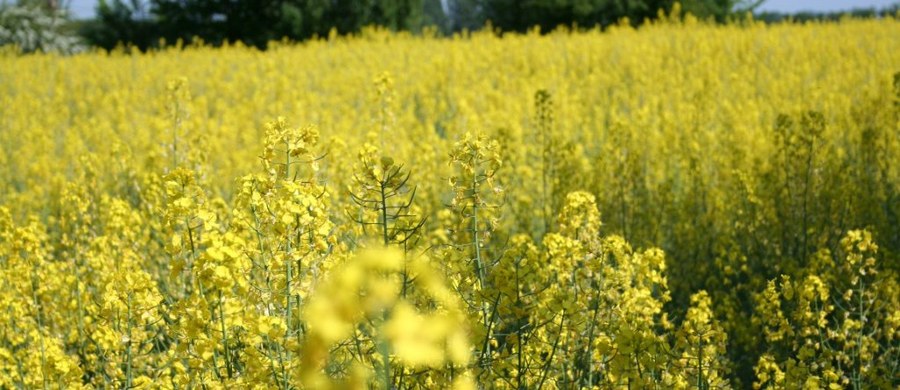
(435, 220)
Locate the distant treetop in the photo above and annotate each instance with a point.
(144, 24)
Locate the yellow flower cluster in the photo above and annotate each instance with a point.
(427, 212)
(818, 340)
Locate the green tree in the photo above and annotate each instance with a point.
(35, 26)
(467, 14)
(144, 23)
(120, 21)
(251, 22)
(521, 15)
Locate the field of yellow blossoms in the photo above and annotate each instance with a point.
(682, 205)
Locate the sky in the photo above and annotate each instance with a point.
(85, 8)
(822, 5)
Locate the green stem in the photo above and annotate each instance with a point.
(129, 373)
(228, 368)
(385, 350)
(521, 358)
(40, 323)
(700, 383)
(384, 221)
(857, 376)
(546, 367)
(288, 314)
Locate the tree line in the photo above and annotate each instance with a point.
(44, 25)
(144, 24)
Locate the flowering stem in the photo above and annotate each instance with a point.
(288, 274)
(225, 335)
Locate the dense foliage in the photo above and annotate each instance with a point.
(145, 23)
(31, 27)
(680, 206)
